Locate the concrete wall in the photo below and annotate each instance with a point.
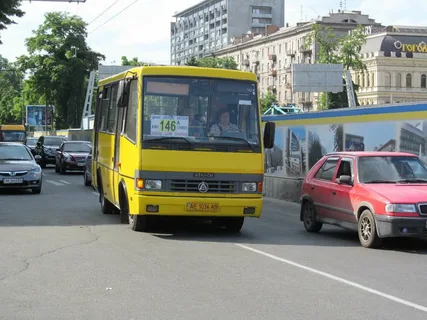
(288, 189)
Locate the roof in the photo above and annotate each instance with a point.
(76, 141)
(11, 144)
(372, 154)
(181, 13)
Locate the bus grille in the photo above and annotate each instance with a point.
(193, 186)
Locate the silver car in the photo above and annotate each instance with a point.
(18, 168)
(87, 174)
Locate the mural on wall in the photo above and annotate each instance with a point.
(413, 137)
(295, 153)
(273, 160)
(297, 149)
(323, 139)
(370, 136)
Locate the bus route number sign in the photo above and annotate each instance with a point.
(173, 126)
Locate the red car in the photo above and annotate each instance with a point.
(378, 194)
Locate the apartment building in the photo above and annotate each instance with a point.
(271, 54)
(396, 62)
(209, 26)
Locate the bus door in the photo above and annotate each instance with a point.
(119, 131)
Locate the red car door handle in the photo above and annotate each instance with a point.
(334, 193)
(312, 188)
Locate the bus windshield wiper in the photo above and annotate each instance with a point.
(380, 181)
(237, 139)
(161, 139)
(414, 180)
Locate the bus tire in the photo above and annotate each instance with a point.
(106, 206)
(233, 224)
(124, 205)
(139, 222)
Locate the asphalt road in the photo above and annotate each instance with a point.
(60, 258)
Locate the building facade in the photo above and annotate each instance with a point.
(271, 54)
(396, 66)
(209, 26)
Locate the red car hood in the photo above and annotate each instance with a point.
(400, 193)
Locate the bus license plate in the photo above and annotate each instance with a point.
(13, 181)
(207, 207)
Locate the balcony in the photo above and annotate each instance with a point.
(290, 53)
(304, 49)
(273, 73)
(262, 15)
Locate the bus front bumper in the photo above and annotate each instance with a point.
(196, 207)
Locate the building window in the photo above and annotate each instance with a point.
(398, 80)
(423, 81)
(387, 79)
(408, 81)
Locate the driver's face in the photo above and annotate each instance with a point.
(225, 117)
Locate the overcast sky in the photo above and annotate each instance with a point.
(143, 29)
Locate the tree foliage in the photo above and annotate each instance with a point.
(133, 62)
(59, 62)
(213, 62)
(267, 101)
(333, 49)
(9, 9)
(11, 85)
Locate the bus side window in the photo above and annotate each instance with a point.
(132, 112)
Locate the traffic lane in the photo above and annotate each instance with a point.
(121, 274)
(109, 233)
(397, 269)
(64, 200)
(62, 214)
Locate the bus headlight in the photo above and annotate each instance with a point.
(153, 184)
(249, 187)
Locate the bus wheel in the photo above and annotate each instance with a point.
(124, 207)
(138, 222)
(106, 206)
(234, 224)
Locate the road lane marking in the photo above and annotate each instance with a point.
(56, 183)
(95, 193)
(338, 279)
(66, 182)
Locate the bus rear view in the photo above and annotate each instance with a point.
(12, 133)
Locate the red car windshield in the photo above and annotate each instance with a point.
(391, 169)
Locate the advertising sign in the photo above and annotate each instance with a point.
(39, 116)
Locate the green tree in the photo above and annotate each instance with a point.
(11, 85)
(9, 9)
(133, 62)
(333, 49)
(59, 62)
(268, 100)
(213, 62)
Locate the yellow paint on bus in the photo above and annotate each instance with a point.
(12, 133)
(162, 145)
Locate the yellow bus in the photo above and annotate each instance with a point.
(179, 141)
(12, 133)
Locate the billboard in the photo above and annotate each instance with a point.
(39, 116)
(317, 77)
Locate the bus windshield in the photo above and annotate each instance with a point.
(196, 111)
(12, 135)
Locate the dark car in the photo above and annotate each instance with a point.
(31, 143)
(46, 148)
(71, 155)
(378, 194)
(87, 174)
(18, 168)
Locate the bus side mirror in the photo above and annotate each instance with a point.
(269, 132)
